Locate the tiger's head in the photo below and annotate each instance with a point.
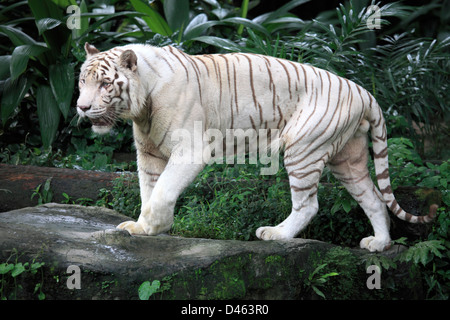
(105, 81)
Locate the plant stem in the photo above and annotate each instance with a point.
(244, 10)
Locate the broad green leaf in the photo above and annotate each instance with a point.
(221, 13)
(311, 276)
(16, 36)
(197, 26)
(56, 37)
(100, 161)
(106, 10)
(47, 24)
(41, 296)
(48, 113)
(284, 20)
(320, 293)
(177, 13)
(331, 274)
(105, 18)
(247, 23)
(62, 82)
(18, 269)
(21, 55)
(200, 24)
(153, 19)
(5, 62)
(346, 205)
(6, 267)
(146, 289)
(45, 9)
(219, 42)
(35, 266)
(13, 93)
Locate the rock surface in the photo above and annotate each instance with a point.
(114, 264)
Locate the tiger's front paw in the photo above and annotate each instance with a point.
(374, 244)
(132, 227)
(271, 233)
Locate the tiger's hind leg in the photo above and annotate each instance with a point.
(303, 183)
(350, 167)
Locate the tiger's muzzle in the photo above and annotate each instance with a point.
(102, 121)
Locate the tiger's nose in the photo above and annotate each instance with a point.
(84, 108)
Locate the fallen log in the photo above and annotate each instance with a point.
(17, 184)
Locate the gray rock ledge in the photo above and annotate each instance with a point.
(114, 264)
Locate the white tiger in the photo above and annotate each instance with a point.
(322, 119)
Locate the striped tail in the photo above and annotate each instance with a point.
(380, 153)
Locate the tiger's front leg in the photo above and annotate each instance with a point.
(150, 166)
(157, 213)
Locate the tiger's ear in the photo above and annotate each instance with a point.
(90, 50)
(128, 60)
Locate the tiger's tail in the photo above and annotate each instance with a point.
(380, 154)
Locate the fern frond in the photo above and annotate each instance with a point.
(423, 252)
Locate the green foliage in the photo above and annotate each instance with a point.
(43, 193)
(333, 223)
(86, 151)
(334, 274)
(124, 197)
(428, 258)
(146, 290)
(43, 67)
(408, 73)
(149, 289)
(230, 202)
(381, 261)
(11, 273)
(315, 280)
(408, 169)
(423, 252)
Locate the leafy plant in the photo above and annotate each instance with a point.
(42, 67)
(423, 252)
(230, 202)
(124, 196)
(315, 280)
(39, 75)
(43, 193)
(12, 270)
(177, 13)
(147, 289)
(86, 151)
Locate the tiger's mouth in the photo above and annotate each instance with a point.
(101, 122)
